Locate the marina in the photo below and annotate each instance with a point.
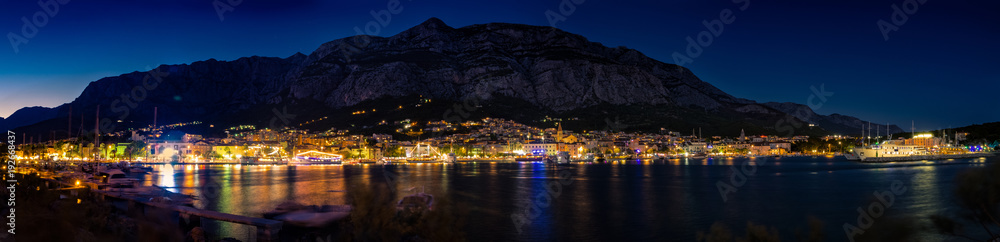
(569, 120)
(251, 191)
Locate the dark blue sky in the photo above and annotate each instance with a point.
(938, 69)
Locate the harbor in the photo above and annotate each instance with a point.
(566, 120)
(238, 197)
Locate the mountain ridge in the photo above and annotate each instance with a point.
(554, 70)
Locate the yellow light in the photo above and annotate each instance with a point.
(77, 201)
(78, 183)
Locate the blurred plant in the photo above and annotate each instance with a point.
(978, 195)
(719, 232)
(53, 217)
(375, 218)
(815, 233)
(754, 233)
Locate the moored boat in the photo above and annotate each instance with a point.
(449, 158)
(136, 169)
(530, 158)
(424, 159)
(114, 178)
(562, 158)
(416, 203)
(888, 152)
(589, 157)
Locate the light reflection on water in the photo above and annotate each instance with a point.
(645, 200)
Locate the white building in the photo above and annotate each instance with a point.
(537, 148)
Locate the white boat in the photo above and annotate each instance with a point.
(562, 158)
(449, 158)
(73, 176)
(115, 178)
(422, 159)
(530, 158)
(314, 157)
(140, 169)
(886, 150)
(851, 156)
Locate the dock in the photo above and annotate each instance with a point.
(267, 229)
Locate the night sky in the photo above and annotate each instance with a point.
(938, 69)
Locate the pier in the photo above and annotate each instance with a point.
(267, 229)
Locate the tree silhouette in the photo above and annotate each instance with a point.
(978, 194)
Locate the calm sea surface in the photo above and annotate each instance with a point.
(623, 201)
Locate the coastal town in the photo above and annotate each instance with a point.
(489, 139)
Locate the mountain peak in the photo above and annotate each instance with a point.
(434, 23)
(430, 26)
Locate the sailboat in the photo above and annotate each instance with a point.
(422, 158)
(888, 152)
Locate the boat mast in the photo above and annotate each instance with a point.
(97, 131)
(69, 126)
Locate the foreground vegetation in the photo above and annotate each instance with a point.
(977, 192)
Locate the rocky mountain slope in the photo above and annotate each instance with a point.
(836, 123)
(542, 69)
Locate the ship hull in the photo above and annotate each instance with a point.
(921, 157)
